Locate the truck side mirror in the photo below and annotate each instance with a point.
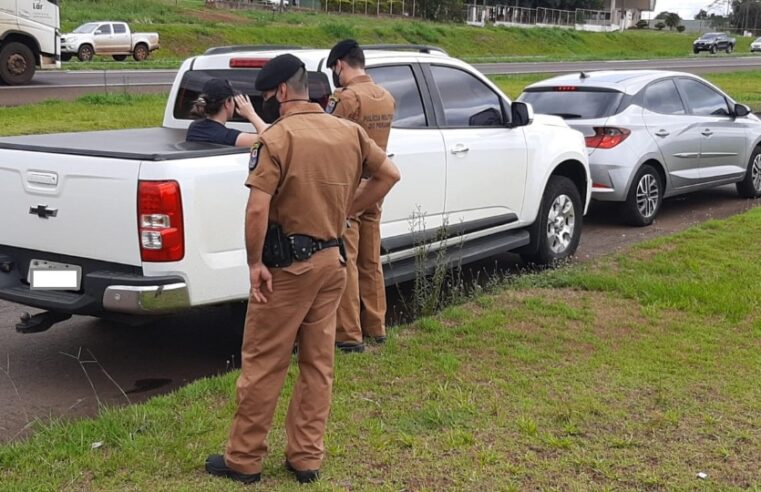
(521, 114)
(741, 110)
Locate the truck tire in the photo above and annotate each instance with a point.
(141, 52)
(555, 234)
(750, 186)
(120, 57)
(695, 51)
(16, 64)
(730, 48)
(85, 53)
(713, 49)
(66, 57)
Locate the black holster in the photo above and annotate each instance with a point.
(277, 248)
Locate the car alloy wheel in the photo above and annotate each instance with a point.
(648, 194)
(561, 222)
(756, 173)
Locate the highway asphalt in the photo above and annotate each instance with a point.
(69, 84)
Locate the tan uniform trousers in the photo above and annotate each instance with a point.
(363, 306)
(302, 308)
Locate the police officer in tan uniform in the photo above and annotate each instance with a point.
(363, 307)
(304, 174)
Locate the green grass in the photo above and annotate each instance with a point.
(634, 373)
(93, 112)
(188, 28)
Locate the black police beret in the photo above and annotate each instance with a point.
(217, 90)
(276, 71)
(341, 49)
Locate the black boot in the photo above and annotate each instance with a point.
(350, 347)
(303, 476)
(215, 465)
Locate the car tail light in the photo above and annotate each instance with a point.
(248, 62)
(607, 137)
(159, 221)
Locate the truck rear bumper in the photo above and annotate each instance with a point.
(146, 299)
(106, 287)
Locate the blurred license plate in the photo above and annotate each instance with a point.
(48, 275)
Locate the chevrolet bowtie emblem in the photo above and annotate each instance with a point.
(43, 212)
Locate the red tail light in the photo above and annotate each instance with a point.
(248, 62)
(159, 221)
(565, 88)
(607, 137)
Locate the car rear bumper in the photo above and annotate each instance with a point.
(610, 182)
(106, 288)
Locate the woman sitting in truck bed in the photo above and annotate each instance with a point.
(216, 105)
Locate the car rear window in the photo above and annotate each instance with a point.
(572, 102)
(242, 80)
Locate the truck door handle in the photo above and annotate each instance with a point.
(459, 149)
(706, 133)
(662, 133)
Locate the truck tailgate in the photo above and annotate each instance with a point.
(70, 204)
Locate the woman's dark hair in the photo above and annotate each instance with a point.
(204, 106)
(214, 95)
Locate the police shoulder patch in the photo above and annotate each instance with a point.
(332, 103)
(253, 160)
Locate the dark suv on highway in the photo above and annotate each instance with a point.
(713, 42)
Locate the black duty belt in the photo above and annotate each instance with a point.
(280, 250)
(303, 247)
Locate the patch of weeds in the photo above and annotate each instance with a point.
(430, 325)
(527, 425)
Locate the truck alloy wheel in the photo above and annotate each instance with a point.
(561, 223)
(556, 232)
(713, 49)
(85, 53)
(140, 53)
(16, 64)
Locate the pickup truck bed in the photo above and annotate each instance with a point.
(88, 185)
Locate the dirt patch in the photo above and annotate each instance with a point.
(220, 16)
(610, 318)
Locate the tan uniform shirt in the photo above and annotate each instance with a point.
(311, 163)
(367, 104)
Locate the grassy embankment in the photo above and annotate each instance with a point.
(102, 112)
(187, 28)
(635, 372)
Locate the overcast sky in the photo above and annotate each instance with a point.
(685, 8)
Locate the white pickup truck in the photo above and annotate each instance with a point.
(107, 38)
(128, 223)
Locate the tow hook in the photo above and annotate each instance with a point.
(40, 322)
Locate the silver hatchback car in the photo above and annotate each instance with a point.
(652, 134)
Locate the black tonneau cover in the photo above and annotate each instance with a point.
(143, 144)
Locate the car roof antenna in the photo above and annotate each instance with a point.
(583, 75)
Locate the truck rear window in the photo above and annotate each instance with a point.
(242, 79)
(573, 103)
